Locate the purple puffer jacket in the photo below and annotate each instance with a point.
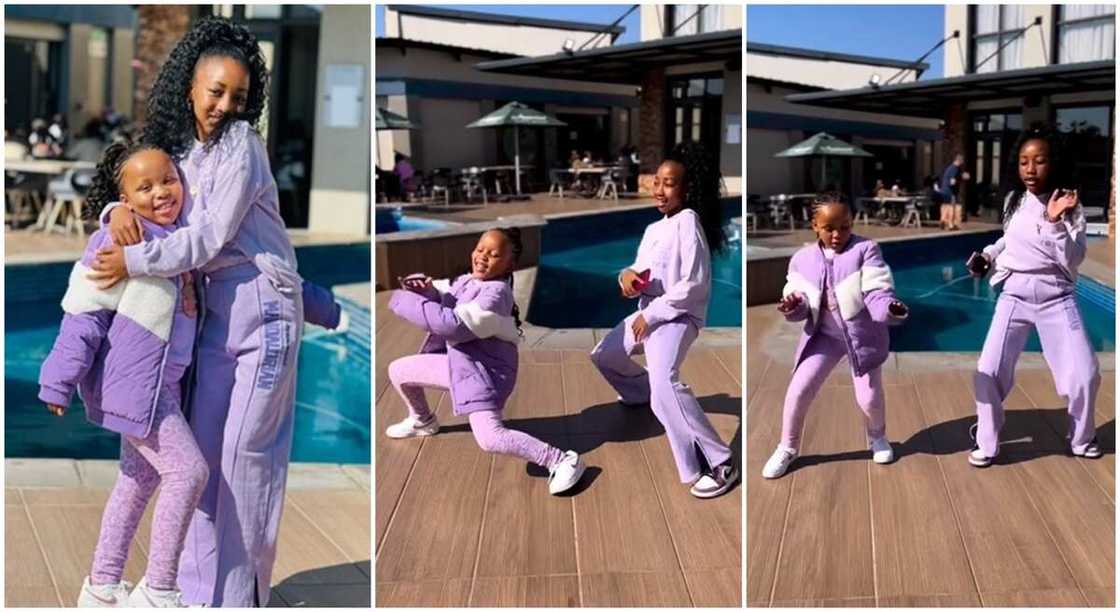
(864, 290)
(112, 346)
(472, 323)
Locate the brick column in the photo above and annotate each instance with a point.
(651, 127)
(956, 141)
(158, 29)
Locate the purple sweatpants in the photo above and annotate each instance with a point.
(820, 356)
(242, 414)
(168, 458)
(1045, 302)
(411, 374)
(659, 383)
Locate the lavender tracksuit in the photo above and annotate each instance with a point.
(1036, 261)
(845, 303)
(242, 402)
(674, 306)
(126, 350)
(472, 346)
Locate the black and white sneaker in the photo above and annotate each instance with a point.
(975, 457)
(715, 483)
(1093, 451)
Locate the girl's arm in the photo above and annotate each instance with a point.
(993, 250)
(1068, 237)
(877, 285)
(695, 269)
(241, 176)
(796, 284)
(478, 318)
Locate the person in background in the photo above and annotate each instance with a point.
(950, 188)
(90, 146)
(406, 173)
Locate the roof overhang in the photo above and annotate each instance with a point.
(480, 17)
(932, 98)
(627, 64)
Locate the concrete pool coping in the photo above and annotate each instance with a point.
(38, 473)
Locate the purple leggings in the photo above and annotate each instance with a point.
(411, 374)
(167, 456)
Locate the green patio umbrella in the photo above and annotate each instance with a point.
(823, 145)
(388, 120)
(515, 115)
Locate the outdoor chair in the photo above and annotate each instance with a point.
(65, 197)
(23, 198)
(441, 183)
(781, 210)
(611, 181)
(556, 182)
(914, 210)
(473, 185)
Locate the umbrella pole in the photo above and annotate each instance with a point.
(516, 160)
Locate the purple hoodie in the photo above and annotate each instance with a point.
(472, 323)
(861, 286)
(118, 347)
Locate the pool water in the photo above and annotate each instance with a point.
(950, 311)
(332, 422)
(576, 284)
(388, 221)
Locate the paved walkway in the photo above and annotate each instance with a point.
(1036, 529)
(458, 527)
(52, 514)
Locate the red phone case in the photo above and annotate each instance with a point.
(642, 281)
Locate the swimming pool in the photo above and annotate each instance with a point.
(390, 220)
(950, 311)
(576, 283)
(332, 401)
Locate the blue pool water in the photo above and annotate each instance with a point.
(332, 401)
(387, 221)
(951, 311)
(576, 282)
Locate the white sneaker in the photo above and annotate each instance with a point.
(715, 483)
(566, 474)
(412, 428)
(104, 595)
(144, 596)
(779, 462)
(881, 451)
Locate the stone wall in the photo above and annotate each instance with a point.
(651, 128)
(158, 29)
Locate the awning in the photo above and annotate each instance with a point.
(932, 98)
(627, 63)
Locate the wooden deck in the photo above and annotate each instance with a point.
(50, 533)
(457, 527)
(1036, 529)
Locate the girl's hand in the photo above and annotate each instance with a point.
(898, 310)
(789, 303)
(124, 226)
(416, 284)
(190, 300)
(640, 328)
(626, 282)
(56, 409)
(109, 267)
(1061, 201)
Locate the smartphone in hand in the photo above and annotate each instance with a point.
(977, 264)
(641, 282)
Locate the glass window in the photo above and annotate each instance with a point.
(1088, 130)
(1086, 32)
(997, 27)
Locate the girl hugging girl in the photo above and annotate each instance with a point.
(125, 351)
(843, 291)
(471, 350)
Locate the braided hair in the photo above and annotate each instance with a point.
(170, 114)
(830, 198)
(513, 235)
(702, 190)
(1059, 171)
(106, 184)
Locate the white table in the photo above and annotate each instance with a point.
(46, 166)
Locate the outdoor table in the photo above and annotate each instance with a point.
(780, 200)
(898, 203)
(597, 171)
(510, 168)
(46, 166)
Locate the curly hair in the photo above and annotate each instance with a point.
(170, 121)
(513, 235)
(1059, 175)
(106, 184)
(702, 190)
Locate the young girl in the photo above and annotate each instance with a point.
(841, 287)
(125, 350)
(1036, 260)
(471, 350)
(671, 278)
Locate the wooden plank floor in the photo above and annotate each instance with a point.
(1036, 529)
(458, 527)
(322, 558)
